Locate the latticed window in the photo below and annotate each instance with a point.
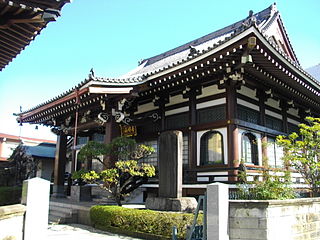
(211, 148)
(211, 114)
(98, 137)
(293, 128)
(153, 158)
(177, 121)
(82, 140)
(249, 148)
(248, 114)
(274, 123)
(275, 154)
(185, 153)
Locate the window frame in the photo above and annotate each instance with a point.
(254, 149)
(206, 162)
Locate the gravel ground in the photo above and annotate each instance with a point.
(81, 232)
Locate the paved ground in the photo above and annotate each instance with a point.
(81, 232)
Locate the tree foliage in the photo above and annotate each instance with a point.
(275, 186)
(302, 151)
(25, 165)
(127, 175)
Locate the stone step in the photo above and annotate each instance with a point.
(55, 219)
(60, 213)
(60, 209)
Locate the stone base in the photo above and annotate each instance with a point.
(183, 204)
(80, 193)
(58, 191)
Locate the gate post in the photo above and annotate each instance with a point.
(217, 211)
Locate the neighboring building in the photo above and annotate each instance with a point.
(314, 71)
(230, 92)
(21, 21)
(40, 150)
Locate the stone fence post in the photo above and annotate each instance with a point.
(217, 211)
(35, 195)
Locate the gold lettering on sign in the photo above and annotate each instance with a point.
(128, 131)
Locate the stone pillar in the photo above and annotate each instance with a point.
(170, 176)
(170, 164)
(35, 195)
(217, 211)
(60, 165)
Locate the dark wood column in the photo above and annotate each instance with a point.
(111, 131)
(161, 101)
(192, 135)
(262, 96)
(232, 129)
(284, 112)
(60, 165)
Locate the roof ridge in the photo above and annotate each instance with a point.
(206, 38)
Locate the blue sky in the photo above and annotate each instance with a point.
(112, 36)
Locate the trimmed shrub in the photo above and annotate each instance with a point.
(141, 221)
(10, 195)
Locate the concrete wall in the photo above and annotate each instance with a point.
(294, 219)
(11, 222)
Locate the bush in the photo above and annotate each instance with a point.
(10, 195)
(273, 187)
(143, 221)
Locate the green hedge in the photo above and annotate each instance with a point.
(141, 221)
(10, 195)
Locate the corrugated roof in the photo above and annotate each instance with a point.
(41, 150)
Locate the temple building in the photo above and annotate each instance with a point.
(230, 92)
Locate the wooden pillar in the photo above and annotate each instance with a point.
(111, 131)
(192, 136)
(264, 141)
(262, 96)
(284, 108)
(262, 109)
(60, 165)
(232, 129)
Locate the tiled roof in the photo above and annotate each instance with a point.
(21, 21)
(262, 21)
(314, 71)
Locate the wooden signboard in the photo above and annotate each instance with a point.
(128, 131)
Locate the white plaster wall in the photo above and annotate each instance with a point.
(248, 92)
(293, 121)
(176, 99)
(223, 131)
(273, 114)
(293, 112)
(247, 104)
(7, 148)
(146, 108)
(211, 103)
(259, 142)
(273, 103)
(177, 110)
(209, 91)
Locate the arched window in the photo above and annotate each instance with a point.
(249, 148)
(211, 148)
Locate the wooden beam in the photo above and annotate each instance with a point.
(72, 95)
